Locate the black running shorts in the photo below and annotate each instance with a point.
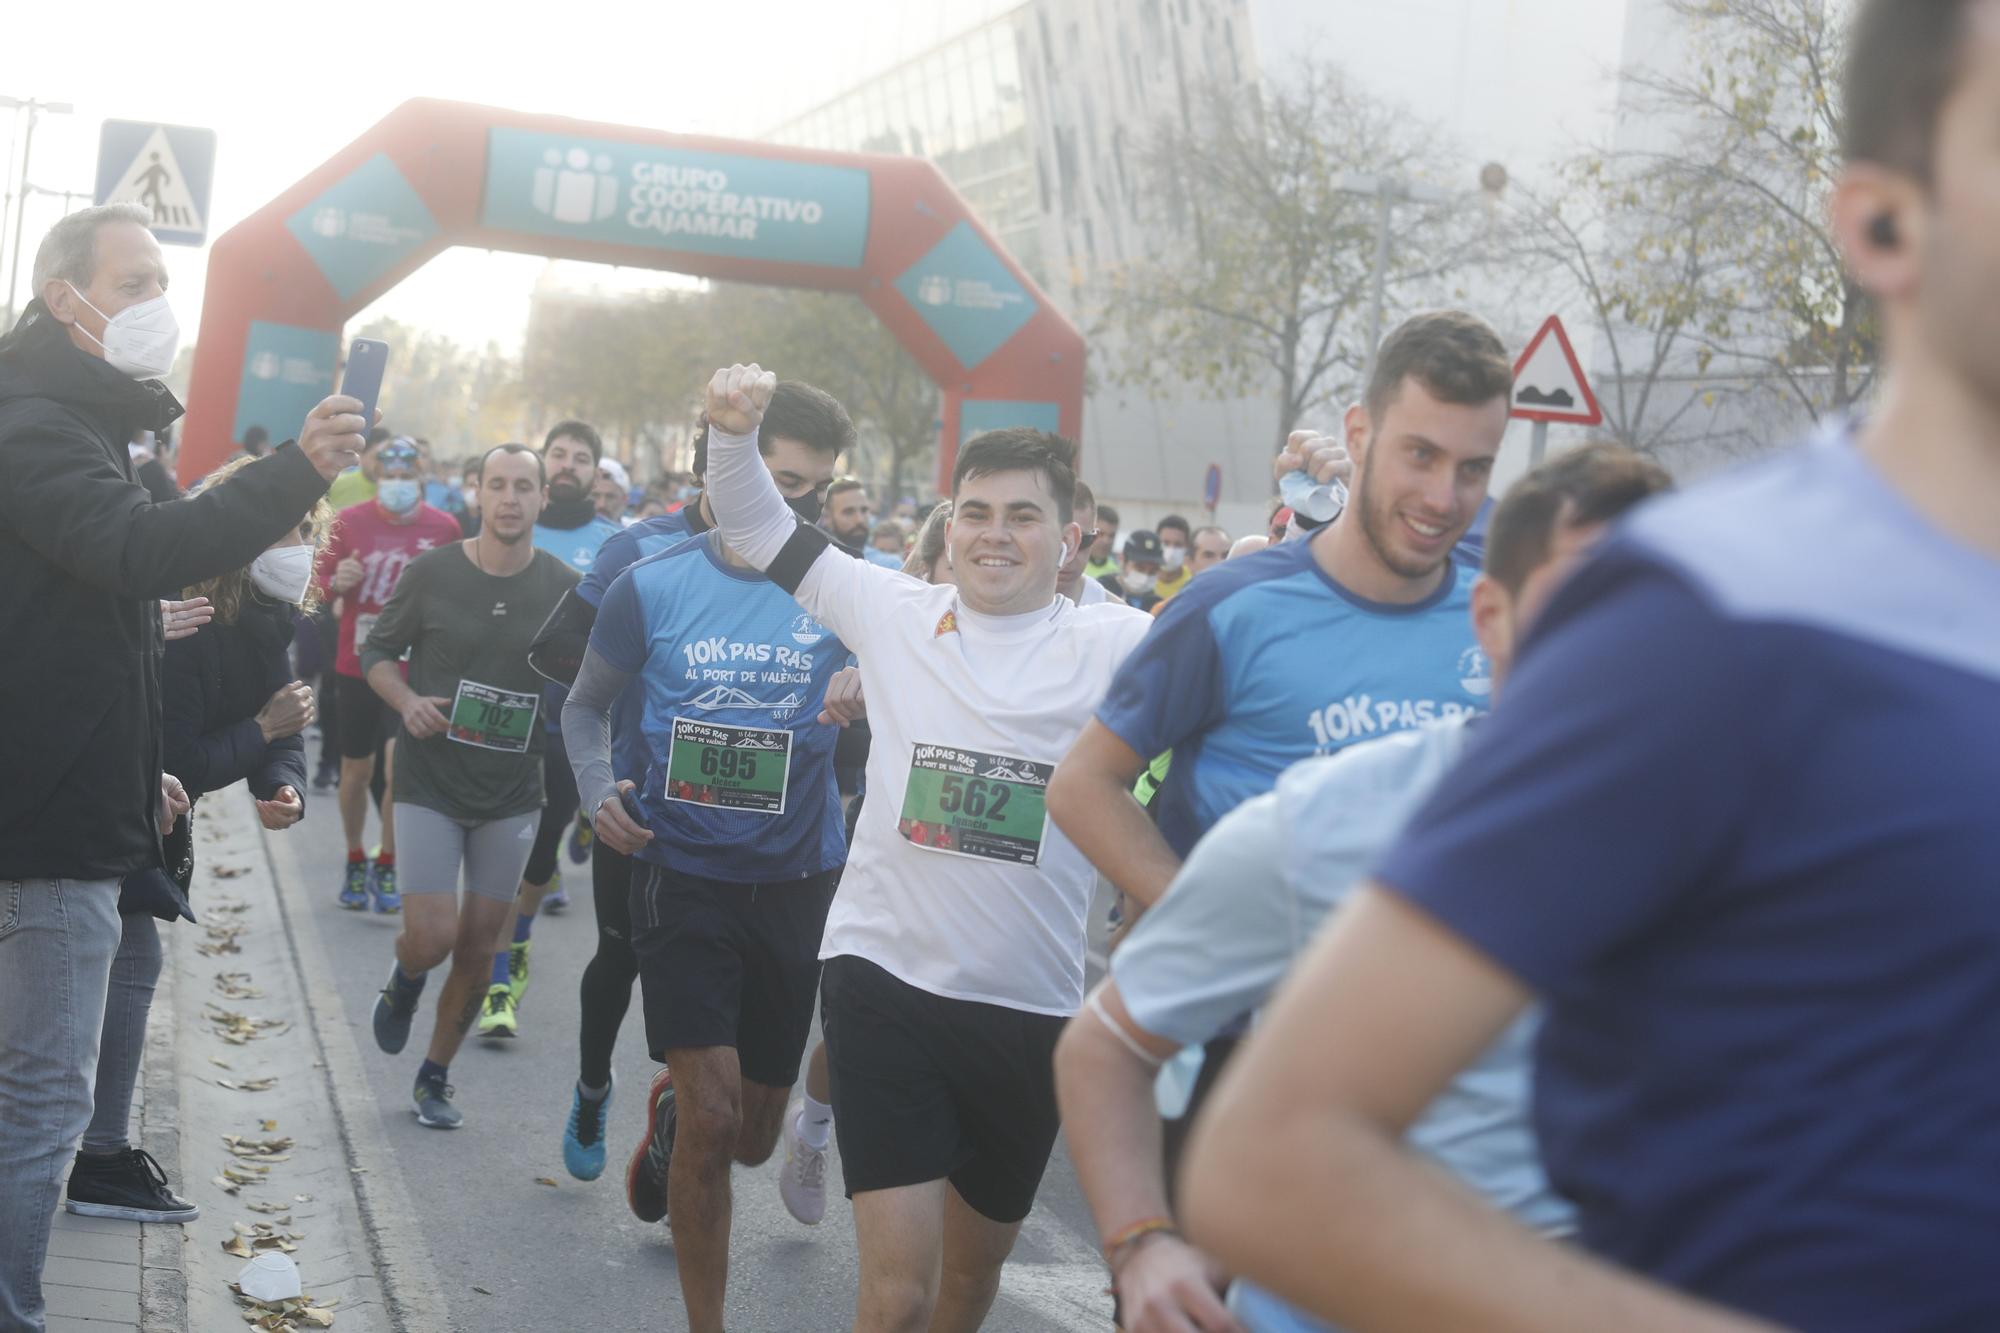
(730, 965)
(365, 721)
(928, 1088)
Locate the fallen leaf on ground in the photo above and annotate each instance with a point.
(248, 1084)
(229, 872)
(482, 1291)
(268, 1125)
(550, 1181)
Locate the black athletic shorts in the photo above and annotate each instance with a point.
(928, 1088)
(365, 721)
(730, 965)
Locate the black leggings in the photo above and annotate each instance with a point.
(559, 790)
(606, 991)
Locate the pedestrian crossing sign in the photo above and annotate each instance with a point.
(168, 168)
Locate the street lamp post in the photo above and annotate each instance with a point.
(35, 108)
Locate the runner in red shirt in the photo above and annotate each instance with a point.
(372, 543)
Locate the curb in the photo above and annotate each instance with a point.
(163, 1284)
(401, 1256)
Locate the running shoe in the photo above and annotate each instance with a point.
(583, 1136)
(394, 1008)
(581, 835)
(354, 888)
(802, 1184)
(557, 899)
(431, 1100)
(496, 1019)
(646, 1175)
(382, 888)
(517, 969)
(128, 1186)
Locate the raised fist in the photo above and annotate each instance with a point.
(738, 396)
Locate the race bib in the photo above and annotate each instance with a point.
(729, 768)
(493, 719)
(967, 803)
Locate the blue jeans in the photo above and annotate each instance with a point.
(57, 939)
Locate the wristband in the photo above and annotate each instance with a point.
(1116, 1247)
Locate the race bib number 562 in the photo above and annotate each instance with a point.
(969, 803)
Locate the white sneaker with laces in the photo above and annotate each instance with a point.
(802, 1184)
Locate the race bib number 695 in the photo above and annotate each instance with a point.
(969, 803)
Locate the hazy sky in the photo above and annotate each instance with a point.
(282, 99)
(286, 85)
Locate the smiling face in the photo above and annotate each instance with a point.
(510, 495)
(1006, 541)
(1422, 475)
(572, 468)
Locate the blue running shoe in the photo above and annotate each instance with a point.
(583, 1137)
(354, 888)
(382, 888)
(581, 835)
(431, 1100)
(395, 1007)
(557, 900)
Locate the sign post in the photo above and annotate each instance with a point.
(168, 168)
(1549, 385)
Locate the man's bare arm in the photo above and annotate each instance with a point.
(1297, 1176)
(1090, 798)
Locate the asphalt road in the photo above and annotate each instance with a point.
(514, 1254)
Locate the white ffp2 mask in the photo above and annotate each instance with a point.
(283, 573)
(139, 340)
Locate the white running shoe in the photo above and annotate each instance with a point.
(802, 1184)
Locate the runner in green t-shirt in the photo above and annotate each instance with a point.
(468, 762)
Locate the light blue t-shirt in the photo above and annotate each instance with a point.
(734, 674)
(876, 556)
(1267, 661)
(1250, 899)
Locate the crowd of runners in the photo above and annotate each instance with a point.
(1664, 994)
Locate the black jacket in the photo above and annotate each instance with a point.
(216, 683)
(85, 553)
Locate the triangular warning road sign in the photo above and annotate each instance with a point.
(156, 180)
(1549, 383)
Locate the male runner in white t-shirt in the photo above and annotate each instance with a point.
(954, 949)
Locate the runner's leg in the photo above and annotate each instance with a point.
(495, 851)
(606, 990)
(708, 1093)
(899, 1233)
(975, 1247)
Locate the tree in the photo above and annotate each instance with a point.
(1756, 129)
(1265, 263)
(459, 399)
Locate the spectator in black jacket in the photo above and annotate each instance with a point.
(233, 713)
(85, 552)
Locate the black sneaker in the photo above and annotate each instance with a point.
(646, 1174)
(432, 1103)
(128, 1186)
(394, 1008)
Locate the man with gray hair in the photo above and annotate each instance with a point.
(85, 554)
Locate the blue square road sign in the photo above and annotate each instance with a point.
(168, 168)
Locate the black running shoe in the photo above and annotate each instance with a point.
(395, 1007)
(128, 1186)
(431, 1100)
(646, 1175)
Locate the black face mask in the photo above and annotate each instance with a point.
(807, 506)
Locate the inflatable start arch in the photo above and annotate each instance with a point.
(891, 230)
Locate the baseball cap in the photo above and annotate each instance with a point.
(1143, 545)
(615, 470)
(402, 449)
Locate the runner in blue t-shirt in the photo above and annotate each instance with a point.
(570, 530)
(1734, 826)
(738, 840)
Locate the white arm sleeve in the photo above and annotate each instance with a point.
(754, 518)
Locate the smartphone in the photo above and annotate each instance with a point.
(629, 798)
(367, 358)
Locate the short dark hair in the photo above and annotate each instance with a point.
(1086, 499)
(813, 417)
(842, 485)
(1903, 61)
(255, 438)
(1457, 357)
(1022, 449)
(1591, 484)
(580, 431)
(514, 447)
(1106, 514)
(1177, 523)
